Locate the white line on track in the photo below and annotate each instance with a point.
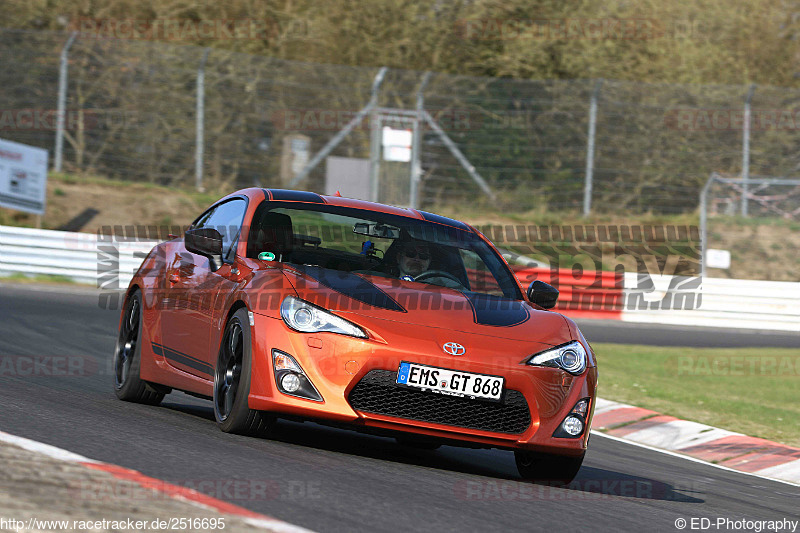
(692, 459)
(45, 449)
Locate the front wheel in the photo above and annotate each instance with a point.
(547, 468)
(128, 385)
(232, 381)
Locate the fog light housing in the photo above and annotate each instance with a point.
(574, 425)
(291, 379)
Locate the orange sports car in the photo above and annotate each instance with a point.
(278, 303)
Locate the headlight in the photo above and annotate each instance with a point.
(303, 316)
(570, 357)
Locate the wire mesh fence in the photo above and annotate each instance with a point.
(763, 246)
(132, 112)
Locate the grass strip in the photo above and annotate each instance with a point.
(747, 390)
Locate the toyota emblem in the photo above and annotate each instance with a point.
(453, 348)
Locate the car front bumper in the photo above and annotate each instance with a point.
(355, 379)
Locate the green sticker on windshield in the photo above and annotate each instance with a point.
(266, 256)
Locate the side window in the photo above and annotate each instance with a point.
(227, 219)
(201, 222)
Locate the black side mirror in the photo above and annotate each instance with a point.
(206, 242)
(543, 294)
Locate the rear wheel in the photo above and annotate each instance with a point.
(232, 381)
(547, 468)
(128, 355)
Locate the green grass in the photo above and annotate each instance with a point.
(748, 390)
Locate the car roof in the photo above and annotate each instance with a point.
(285, 195)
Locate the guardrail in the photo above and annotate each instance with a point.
(81, 257)
(731, 303)
(767, 305)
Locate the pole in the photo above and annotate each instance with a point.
(375, 146)
(416, 142)
(459, 156)
(200, 131)
(704, 223)
(587, 187)
(746, 148)
(62, 102)
(328, 148)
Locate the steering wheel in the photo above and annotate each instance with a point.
(438, 274)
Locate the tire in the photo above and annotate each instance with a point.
(128, 385)
(548, 468)
(232, 381)
(419, 444)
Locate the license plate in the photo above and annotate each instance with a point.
(450, 382)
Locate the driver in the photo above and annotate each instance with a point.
(413, 259)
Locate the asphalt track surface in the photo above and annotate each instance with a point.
(328, 479)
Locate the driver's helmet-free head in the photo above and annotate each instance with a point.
(413, 258)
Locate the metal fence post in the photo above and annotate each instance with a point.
(416, 142)
(331, 144)
(62, 102)
(375, 141)
(746, 148)
(704, 223)
(587, 187)
(200, 126)
(375, 146)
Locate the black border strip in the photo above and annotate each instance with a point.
(285, 195)
(182, 358)
(439, 219)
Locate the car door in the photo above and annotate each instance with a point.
(193, 289)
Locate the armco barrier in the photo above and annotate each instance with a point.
(586, 295)
(731, 303)
(77, 256)
(767, 305)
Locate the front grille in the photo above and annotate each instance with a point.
(378, 393)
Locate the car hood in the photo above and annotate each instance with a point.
(375, 301)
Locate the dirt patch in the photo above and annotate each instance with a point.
(117, 203)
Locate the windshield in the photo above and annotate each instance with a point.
(375, 244)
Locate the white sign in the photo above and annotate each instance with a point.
(718, 258)
(396, 145)
(23, 177)
(299, 147)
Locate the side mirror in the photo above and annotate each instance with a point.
(543, 294)
(206, 242)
